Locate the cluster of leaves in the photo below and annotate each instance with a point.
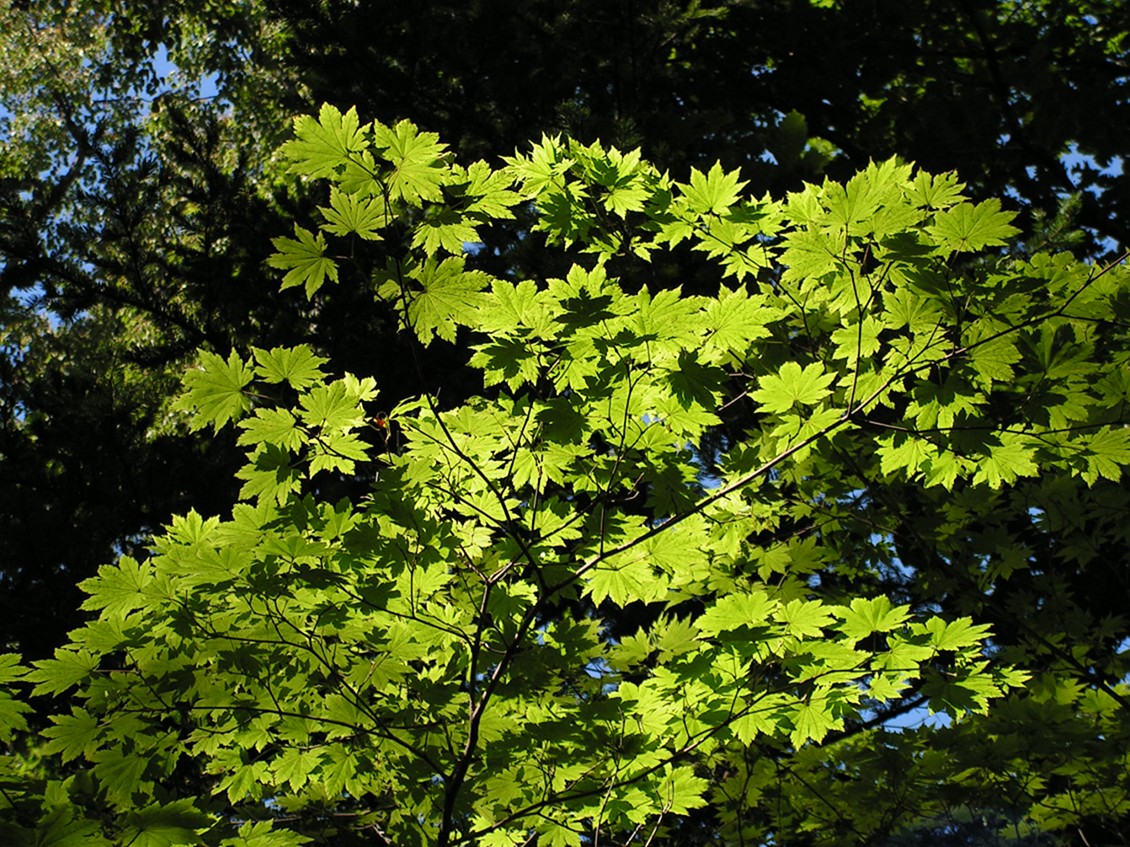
(134, 220)
(789, 89)
(132, 198)
(562, 611)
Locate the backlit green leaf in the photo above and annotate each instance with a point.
(967, 227)
(304, 260)
(214, 391)
(793, 386)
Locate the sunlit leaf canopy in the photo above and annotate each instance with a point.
(141, 213)
(556, 614)
(140, 182)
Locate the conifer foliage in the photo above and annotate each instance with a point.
(582, 608)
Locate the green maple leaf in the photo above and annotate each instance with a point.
(935, 192)
(954, 697)
(1007, 460)
(330, 407)
(59, 828)
(675, 637)
(542, 168)
(903, 654)
(169, 825)
(764, 718)
(304, 260)
(74, 735)
(12, 711)
(682, 790)
(119, 588)
(337, 452)
(354, 214)
(739, 263)
(626, 198)
(911, 309)
(260, 834)
(623, 584)
(735, 611)
(942, 469)
(191, 529)
(943, 405)
(121, 773)
(678, 224)
(886, 686)
(510, 360)
(683, 414)
(343, 767)
(735, 320)
(294, 767)
(624, 175)
(804, 618)
(966, 228)
(12, 718)
(558, 835)
(270, 475)
(858, 340)
(1106, 453)
(272, 426)
(446, 229)
(792, 386)
(953, 635)
(448, 297)
(213, 390)
(811, 721)
(324, 146)
(246, 781)
(10, 668)
(297, 366)
(632, 650)
(862, 617)
(713, 192)
(666, 316)
(491, 191)
(811, 253)
(904, 451)
(416, 159)
(855, 202)
(511, 307)
(993, 360)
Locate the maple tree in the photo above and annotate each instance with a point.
(583, 606)
(136, 211)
